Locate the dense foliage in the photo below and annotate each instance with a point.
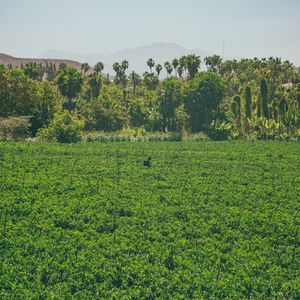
(207, 221)
(257, 98)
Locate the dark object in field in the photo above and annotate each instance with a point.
(147, 162)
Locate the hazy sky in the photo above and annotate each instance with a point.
(250, 27)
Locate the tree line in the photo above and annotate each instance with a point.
(257, 97)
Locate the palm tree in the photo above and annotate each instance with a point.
(183, 63)
(85, 67)
(116, 67)
(150, 63)
(135, 80)
(94, 83)
(120, 69)
(175, 63)
(193, 64)
(124, 65)
(168, 68)
(275, 66)
(33, 70)
(180, 71)
(151, 80)
(69, 82)
(98, 68)
(158, 69)
(213, 63)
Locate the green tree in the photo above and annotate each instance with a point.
(50, 70)
(170, 96)
(33, 71)
(236, 109)
(264, 97)
(120, 70)
(94, 82)
(137, 112)
(193, 65)
(248, 102)
(151, 64)
(183, 64)
(258, 106)
(180, 71)
(158, 69)
(64, 128)
(69, 83)
(213, 63)
(98, 68)
(135, 80)
(202, 97)
(150, 80)
(84, 68)
(108, 112)
(168, 68)
(175, 64)
(22, 96)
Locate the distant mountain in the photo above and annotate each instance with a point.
(137, 57)
(92, 59)
(17, 61)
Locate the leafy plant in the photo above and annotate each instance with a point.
(64, 128)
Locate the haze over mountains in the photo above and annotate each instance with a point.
(137, 57)
(18, 61)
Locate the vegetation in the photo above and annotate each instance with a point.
(256, 98)
(206, 221)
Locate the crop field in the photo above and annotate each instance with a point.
(208, 220)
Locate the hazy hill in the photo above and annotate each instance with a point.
(55, 54)
(137, 57)
(17, 61)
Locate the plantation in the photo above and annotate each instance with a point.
(207, 220)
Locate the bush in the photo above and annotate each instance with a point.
(132, 136)
(14, 128)
(265, 129)
(198, 137)
(218, 131)
(64, 128)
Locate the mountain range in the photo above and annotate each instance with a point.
(137, 57)
(18, 61)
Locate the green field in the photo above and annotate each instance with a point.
(209, 220)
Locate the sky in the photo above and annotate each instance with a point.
(259, 28)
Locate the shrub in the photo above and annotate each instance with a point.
(218, 131)
(266, 129)
(64, 128)
(14, 128)
(132, 136)
(198, 137)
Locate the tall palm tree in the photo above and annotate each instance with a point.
(158, 68)
(98, 68)
(151, 80)
(193, 64)
(213, 63)
(69, 82)
(168, 68)
(175, 64)
(120, 69)
(116, 67)
(124, 65)
(85, 67)
(150, 63)
(135, 80)
(183, 64)
(180, 71)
